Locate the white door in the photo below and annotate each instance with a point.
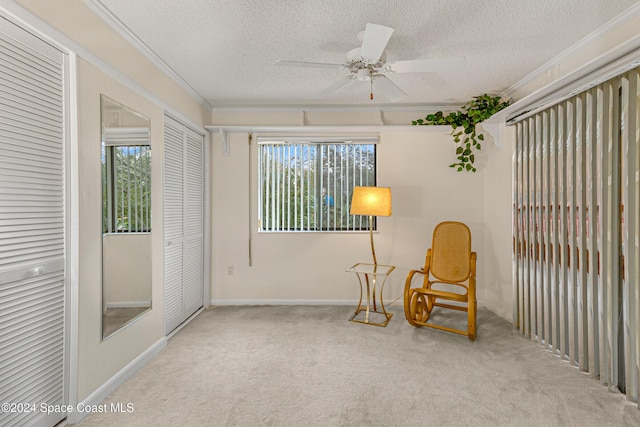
(32, 285)
(183, 222)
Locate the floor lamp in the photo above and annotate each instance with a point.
(371, 201)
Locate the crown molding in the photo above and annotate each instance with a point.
(602, 68)
(629, 14)
(609, 64)
(105, 14)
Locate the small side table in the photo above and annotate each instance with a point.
(370, 273)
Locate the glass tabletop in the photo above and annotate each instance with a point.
(371, 269)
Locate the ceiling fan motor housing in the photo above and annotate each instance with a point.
(363, 70)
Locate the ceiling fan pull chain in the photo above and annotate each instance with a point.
(371, 88)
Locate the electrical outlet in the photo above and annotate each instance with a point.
(230, 269)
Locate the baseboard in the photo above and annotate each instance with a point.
(283, 302)
(114, 382)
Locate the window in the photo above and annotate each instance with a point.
(126, 182)
(307, 185)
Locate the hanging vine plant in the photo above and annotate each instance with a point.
(464, 124)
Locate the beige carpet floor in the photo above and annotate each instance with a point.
(309, 366)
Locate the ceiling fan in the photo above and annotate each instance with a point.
(367, 63)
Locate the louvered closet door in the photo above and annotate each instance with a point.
(173, 224)
(183, 216)
(194, 216)
(31, 227)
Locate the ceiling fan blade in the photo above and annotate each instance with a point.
(388, 88)
(427, 65)
(308, 64)
(374, 41)
(334, 87)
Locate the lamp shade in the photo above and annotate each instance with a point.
(374, 201)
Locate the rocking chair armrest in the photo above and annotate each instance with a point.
(412, 273)
(410, 276)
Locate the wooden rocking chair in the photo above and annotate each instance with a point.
(452, 265)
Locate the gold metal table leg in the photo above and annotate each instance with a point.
(371, 298)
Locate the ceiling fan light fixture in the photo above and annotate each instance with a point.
(364, 75)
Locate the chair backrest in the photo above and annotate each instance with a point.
(451, 252)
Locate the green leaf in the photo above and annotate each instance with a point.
(478, 109)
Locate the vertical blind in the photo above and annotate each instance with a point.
(127, 189)
(575, 230)
(307, 185)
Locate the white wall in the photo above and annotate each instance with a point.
(310, 267)
(497, 250)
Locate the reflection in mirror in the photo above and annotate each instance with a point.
(126, 215)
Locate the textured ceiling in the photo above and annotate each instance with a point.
(226, 49)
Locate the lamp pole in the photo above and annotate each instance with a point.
(373, 250)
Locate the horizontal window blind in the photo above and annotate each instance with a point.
(575, 230)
